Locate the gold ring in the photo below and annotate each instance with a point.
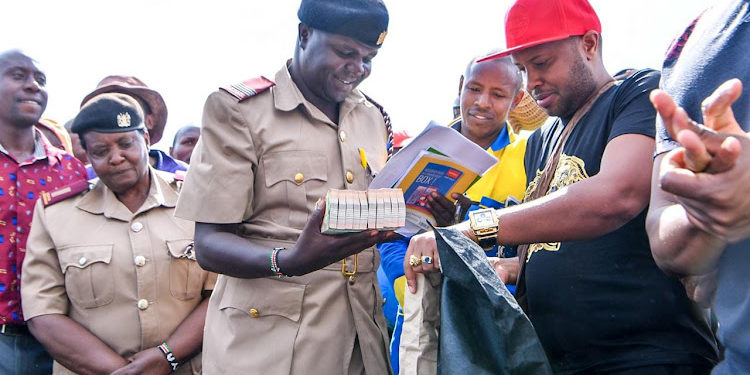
(415, 261)
(426, 259)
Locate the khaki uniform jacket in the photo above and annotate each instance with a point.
(123, 276)
(264, 162)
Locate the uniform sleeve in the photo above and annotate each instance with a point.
(634, 113)
(218, 187)
(42, 280)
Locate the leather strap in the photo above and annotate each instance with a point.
(544, 183)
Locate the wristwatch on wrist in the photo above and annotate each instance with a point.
(485, 225)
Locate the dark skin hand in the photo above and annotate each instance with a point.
(147, 362)
(185, 342)
(464, 203)
(77, 348)
(442, 209)
(74, 346)
(708, 148)
(221, 250)
(695, 208)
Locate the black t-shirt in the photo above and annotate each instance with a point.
(603, 304)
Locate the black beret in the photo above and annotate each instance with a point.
(363, 20)
(109, 113)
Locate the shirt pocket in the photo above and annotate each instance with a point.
(264, 310)
(186, 277)
(89, 280)
(294, 181)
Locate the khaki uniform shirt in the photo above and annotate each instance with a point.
(264, 162)
(123, 276)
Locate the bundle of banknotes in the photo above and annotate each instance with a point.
(354, 211)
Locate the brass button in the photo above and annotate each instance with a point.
(142, 304)
(349, 177)
(342, 136)
(140, 261)
(254, 313)
(298, 178)
(136, 227)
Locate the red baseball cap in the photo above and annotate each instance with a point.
(530, 23)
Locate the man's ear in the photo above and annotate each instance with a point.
(171, 151)
(517, 99)
(303, 34)
(591, 44)
(147, 138)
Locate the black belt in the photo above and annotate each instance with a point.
(14, 329)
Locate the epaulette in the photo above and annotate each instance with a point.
(388, 127)
(174, 179)
(50, 198)
(249, 88)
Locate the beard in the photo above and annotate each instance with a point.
(581, 87)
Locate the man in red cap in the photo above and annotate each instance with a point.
(155, 110)
(587, 279)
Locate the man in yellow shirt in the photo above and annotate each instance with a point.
(488, 92)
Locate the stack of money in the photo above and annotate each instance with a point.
(350, 211)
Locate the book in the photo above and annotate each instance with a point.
(440, 160)
(350, 211)
(432, 173)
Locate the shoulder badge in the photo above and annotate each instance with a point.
(249, 88)
(387, 121)
(50, 198)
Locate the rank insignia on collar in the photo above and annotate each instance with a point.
(249, 88)
(381, 38)
(123, 120)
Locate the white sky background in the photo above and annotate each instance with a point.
(187, 49)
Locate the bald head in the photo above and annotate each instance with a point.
(503, 62)
(488, 91)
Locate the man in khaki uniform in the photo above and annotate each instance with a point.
(112, 273)
(260, 166)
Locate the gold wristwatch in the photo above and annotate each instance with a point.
(485, 225)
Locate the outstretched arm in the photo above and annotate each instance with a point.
(221, 250)
(698, 202)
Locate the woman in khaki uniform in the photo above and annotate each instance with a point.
(111, 282)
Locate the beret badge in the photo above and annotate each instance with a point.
(123, 120)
